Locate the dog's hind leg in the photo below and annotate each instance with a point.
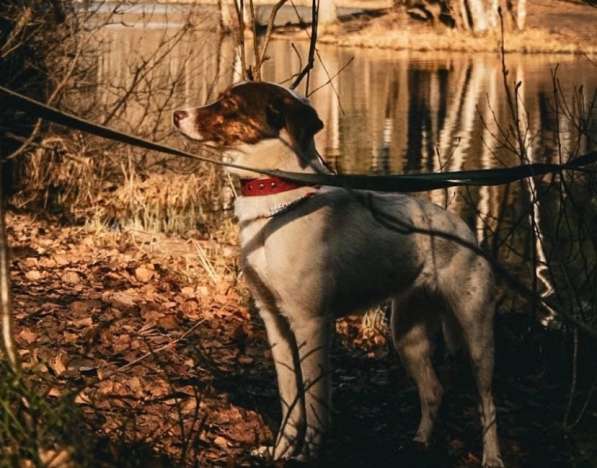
(285, 355)
(472, 300)
(412, 331)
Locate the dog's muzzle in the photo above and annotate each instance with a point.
(178, 116)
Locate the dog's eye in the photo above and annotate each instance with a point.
(229, 106)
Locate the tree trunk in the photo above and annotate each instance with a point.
(327, 12)
(228, 20)
(478, 16)
(521, 14)
(6, 325)
(492, 14)
(478, 12)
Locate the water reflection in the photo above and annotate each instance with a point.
(393, 112)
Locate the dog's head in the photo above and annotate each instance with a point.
(257, 124)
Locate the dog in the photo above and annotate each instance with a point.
(312, 254)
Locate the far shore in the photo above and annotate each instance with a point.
(553, 27)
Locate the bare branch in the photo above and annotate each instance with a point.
(257, 65)
(260, 58)
(15, 37)
(240, 12)
(312, 47)
(331, 78)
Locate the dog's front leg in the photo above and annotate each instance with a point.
(313, 337)
(285, 356)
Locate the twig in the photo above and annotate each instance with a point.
(312, 47)
(56, 93)
(241, 36)
(11, 43)
(325, 69)
(329, 81)
(256, 66)
(260, 58)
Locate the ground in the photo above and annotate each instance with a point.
(158, 337)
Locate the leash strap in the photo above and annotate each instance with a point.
(388, 183)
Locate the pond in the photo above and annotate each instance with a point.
(387, 111)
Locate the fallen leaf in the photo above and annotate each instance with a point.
(56, 459)
(106, 387)
(168, 322)
(83, 307)
(61, 259)
(82, 399)
(28, 336)
(47, 262)
(135, 385)
(144, 274)
(221, 442)
(122, 299)
(190, 309)
(83, 323)
(188, 292)
(71, 277)
(70, 337)
(33, 275)
(30, 262)
(58, 364)
(54, 392)
(122, 343)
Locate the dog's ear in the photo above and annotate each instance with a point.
(303, 123)
(300, 119)
(274, 114)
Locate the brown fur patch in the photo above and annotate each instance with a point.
(251, 112)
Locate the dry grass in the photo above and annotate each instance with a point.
(56, 174)
(427, 39)
(160, 203)
(68, 178)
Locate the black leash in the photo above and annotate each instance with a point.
(383, 183)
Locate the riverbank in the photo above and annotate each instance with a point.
(553, 26)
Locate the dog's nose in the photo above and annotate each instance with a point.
(178, 116)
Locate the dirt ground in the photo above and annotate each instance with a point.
(158, 335)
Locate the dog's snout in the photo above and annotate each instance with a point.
(179, 115)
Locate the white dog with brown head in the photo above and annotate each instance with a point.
(313, 254)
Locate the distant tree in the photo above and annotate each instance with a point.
(477, 16)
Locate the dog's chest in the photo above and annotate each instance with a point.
(254, 264)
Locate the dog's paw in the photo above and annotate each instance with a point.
(264, 452)
(270, 453)
(494, 462)
(419, 443)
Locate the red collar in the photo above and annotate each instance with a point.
(267, 186)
